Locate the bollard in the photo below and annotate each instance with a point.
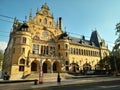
(35, 82)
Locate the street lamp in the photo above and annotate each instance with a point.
(40, 72)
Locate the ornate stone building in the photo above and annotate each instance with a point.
(40, 42)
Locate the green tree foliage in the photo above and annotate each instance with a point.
(116, 49)
(105, 63)
(113, 61)
(117, 41)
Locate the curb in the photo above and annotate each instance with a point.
(69, 84)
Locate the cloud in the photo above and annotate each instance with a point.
(3, 45)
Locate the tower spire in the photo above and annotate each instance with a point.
(30, 16)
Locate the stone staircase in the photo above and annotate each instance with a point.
(46, 76)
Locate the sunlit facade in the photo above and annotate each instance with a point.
(41, 42)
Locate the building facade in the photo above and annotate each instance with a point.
(41, 43)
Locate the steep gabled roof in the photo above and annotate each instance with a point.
(78, 41)
(96, 38)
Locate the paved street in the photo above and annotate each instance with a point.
(66, 84)
(113, 85)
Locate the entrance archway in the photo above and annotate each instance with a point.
(56, 66)
(86, 67)
(34, 66)
(46, 67)
(74, 67)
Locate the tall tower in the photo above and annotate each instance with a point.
(20, 45)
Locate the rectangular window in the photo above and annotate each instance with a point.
(24, 40)
(71, 50)
(21, 68)
(66, 46)
(76, 51)
(35, 49)
(41, 50)
(58, 46)
(47, 50)
(23, 50)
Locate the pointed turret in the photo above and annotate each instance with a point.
(30, 16)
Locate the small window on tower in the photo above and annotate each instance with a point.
(24, 40)
(23, 50)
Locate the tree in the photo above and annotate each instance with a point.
(117, 41)
(116, 49)
(105, 63)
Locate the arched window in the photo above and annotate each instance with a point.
(36, 38)
(21, 66)
(45, 21)
(40, 20)
(22, 61)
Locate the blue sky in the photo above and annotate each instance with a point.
(79, 16)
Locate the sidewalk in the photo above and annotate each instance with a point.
(53, 83)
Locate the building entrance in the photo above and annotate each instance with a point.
(46, 67)
(86, 67)
(56, 67)
(35, 66)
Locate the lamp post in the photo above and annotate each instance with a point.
(58, 76)
(40, 72)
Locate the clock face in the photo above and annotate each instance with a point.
(45, 35)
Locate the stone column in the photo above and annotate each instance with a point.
(51, 67)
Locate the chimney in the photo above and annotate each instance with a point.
(83, 37)
(60, 22)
